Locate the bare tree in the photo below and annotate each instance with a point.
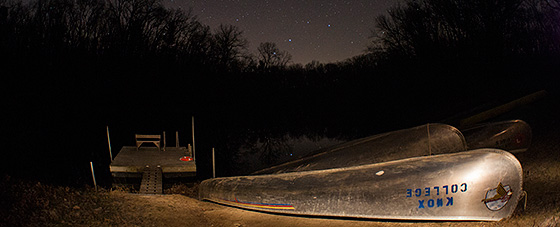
(453, 28)
(229, 46)
(270, 57)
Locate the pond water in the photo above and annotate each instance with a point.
(57, 144)
(270, 151)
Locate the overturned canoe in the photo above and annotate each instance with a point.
(422, 140)
(513, 136)
(483, 184)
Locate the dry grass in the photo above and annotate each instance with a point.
(32, 204)
(541, 167)
(190, 190)
(36, 204)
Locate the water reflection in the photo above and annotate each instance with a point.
(269, 150)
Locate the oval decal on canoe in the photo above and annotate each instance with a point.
(498, 197)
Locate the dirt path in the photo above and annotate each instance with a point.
(179, 210)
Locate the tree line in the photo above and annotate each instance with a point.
(113, 33)
(126, 29)
(423, 54)
(84, 63)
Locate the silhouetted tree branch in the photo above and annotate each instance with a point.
(459, 29)
(229, 46)
(270, 57)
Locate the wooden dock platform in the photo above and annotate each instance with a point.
(131, 162)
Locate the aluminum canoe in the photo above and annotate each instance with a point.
(481, 185)
(422, 140)
(513, 136)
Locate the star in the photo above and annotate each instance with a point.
(283, 22)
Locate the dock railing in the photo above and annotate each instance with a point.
(140, 139)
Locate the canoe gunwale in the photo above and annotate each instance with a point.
(462, 146)
(511, 163)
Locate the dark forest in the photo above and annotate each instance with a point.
(72, 67)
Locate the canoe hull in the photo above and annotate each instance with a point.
(459, 186)
(423, 140)
(513, 136)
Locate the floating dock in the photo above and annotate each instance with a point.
(152, 164)
(131, 162)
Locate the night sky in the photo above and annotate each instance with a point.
(322, 30)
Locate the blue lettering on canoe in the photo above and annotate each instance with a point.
(449, 201)
(454, 188)
(445, 190)
(435, 191)
(431, 203)
(434, 203)
(439, 202)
